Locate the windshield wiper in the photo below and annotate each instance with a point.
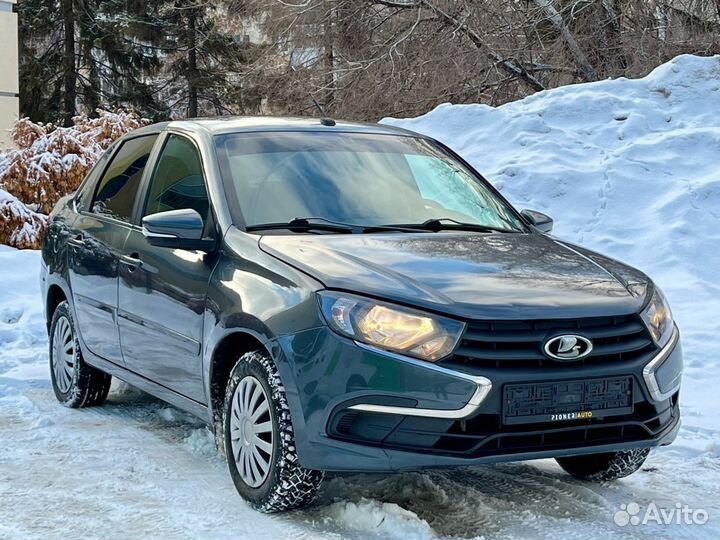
(448, 224)
(306, 225)
(323, 224)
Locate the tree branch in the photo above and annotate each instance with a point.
(510, 66)
(587, 71)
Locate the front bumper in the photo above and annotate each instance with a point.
(359, 409)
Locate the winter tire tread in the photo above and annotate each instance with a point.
(89, 386)
(289, 485)
(604, 467)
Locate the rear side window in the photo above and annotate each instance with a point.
(116, 192)
(178, 182)
(86, 189)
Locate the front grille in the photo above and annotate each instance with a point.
(519, 343)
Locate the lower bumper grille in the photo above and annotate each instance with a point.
(486, 435)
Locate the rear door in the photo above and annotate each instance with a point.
(162, 295)
(95, 240)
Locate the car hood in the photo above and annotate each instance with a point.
(470, 275)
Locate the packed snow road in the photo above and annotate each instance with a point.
(625, 167)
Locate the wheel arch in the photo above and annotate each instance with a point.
(225, 354)
(54, 297)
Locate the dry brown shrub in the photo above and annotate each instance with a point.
(20, 227)
(25, 132)
(51, 162)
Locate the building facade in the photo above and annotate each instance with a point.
(9, 102)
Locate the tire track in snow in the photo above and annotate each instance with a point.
(107, 473)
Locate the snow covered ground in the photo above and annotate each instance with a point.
(630, 168)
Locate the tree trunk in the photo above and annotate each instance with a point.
(663, 19)
(613, 30)
(587, 72)
(329, 45)
(90, 90)
(192, 74)
(69, 73)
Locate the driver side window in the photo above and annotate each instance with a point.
(178, 181)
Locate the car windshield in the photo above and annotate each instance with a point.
(353, 178)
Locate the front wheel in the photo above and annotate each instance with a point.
(604, 467)
(259, 439)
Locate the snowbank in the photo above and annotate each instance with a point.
(630, 168)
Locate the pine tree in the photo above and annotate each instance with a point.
(77, 55)
(40, 53)
(206, 57)
(122, 44)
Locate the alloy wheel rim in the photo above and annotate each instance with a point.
(251, 433)
(63, 354)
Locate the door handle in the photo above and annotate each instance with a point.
(132, 261)
(77, 241)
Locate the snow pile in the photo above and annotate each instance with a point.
(379, 519)
(201, 442)
(626, 167)
(23, 338)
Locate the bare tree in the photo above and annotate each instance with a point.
(361, 59)
(513, 68)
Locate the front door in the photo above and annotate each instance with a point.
(162, 294)
(96, 239)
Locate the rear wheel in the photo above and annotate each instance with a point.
(604, 467)
(259, 439)
(75, 383)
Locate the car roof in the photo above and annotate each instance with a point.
(221, 125)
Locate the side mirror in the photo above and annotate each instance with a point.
(540, 221)
(178, 229)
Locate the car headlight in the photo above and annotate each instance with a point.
(658, 318)
(390, 327)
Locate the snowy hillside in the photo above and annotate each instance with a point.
(630, 168)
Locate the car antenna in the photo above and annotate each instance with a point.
(325, 120)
